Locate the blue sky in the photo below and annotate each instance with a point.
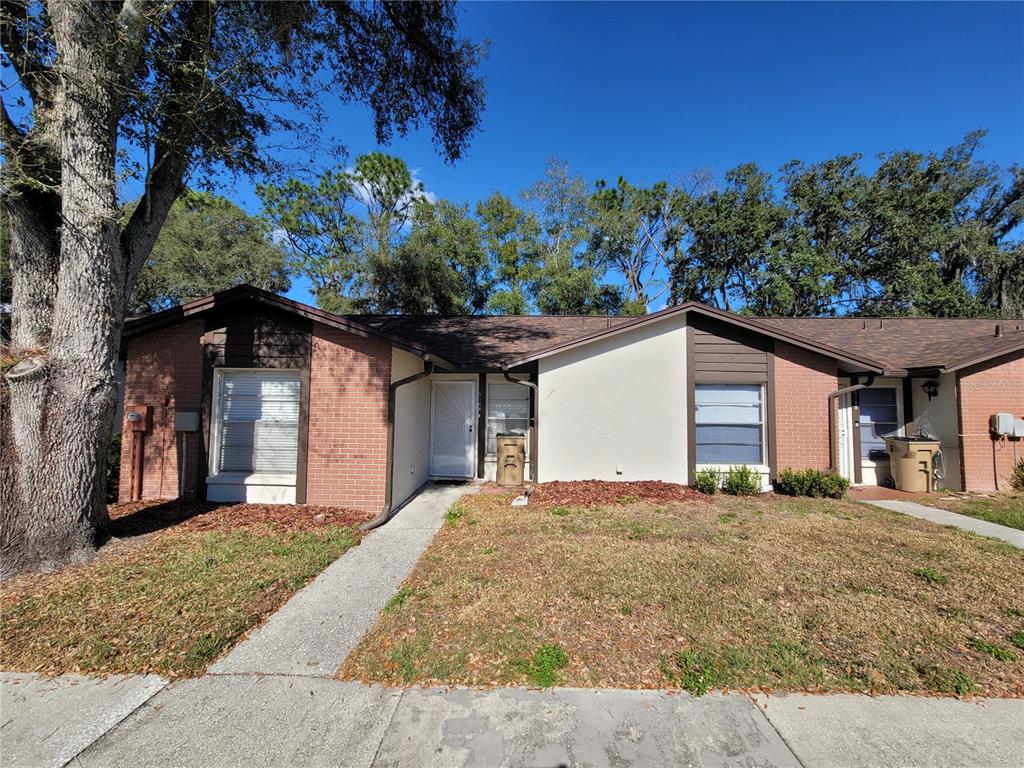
(653, 91)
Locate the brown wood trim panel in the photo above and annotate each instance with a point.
(691, 408)
(302, 459)
(481, 424)
(721, 351)
(729, 377)
(768, 414)
(908, 406)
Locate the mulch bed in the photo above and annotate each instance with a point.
(142, 517)
(589, 493)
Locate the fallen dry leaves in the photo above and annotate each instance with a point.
(590, 493)
(141, 517)
(765, 593)
(177, 586)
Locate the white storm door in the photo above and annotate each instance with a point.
(452, 447)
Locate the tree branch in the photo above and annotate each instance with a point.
(11, 134)
(175, 138)
(34, 75)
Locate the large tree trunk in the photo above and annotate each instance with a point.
(62, 393)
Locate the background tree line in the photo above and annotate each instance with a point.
(923, 234)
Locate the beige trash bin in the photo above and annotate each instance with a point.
(910, 461)
(511, 458)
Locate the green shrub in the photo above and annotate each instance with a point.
(811, 482)
(794, 482)
(706, 481)
(1017, 478)
(742, 481)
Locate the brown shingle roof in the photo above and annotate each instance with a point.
(486, 341)
(908, 342)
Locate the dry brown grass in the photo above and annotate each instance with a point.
(769, 593)
(186, 584)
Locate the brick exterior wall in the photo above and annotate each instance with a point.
(803, 381)
(348, 420)
(164, 369)
(981, 391)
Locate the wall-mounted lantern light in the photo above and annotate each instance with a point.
(931, 388)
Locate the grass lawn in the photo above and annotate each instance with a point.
(765, 593)
(182, 585)
(1004, 508)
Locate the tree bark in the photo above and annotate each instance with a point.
(62, 396)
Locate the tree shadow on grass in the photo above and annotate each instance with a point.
(157, 517)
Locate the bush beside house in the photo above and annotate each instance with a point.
(811, 482)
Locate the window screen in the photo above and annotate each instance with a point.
(508, 410)
(729, 424)
(878, 420)
(259, 422)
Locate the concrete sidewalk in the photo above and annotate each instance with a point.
(850, 730)
(317, 628)
(47, 721)
(944, 517)
(278, 721)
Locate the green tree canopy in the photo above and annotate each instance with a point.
(511, 239)
(206, 245)
(440, 268)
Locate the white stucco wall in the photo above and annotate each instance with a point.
(938, 418)
(412, 427)
(615, 409)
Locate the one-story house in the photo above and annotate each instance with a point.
(248, 396)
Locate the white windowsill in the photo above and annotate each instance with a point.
(759, 468)
(249, 478)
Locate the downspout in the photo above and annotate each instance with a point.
(534, 419)
(833, 453)
(387, 510)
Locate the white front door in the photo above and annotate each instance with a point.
(452, 447)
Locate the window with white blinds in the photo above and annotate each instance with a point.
(258, 422)
(508, 410)
(729, 423)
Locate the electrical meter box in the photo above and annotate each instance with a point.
(186, 421)
(1018, 427)
(139, 417)
(1001, 423)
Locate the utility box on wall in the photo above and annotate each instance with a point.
(186, 421)
(1001, 423)
(1018, 428)
(139, 417)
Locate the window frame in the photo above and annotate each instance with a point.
(859, 425)
(213, 473)
(763, 459)
(487, 415)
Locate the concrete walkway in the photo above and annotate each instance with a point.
(849, 730)
(317, 628)
(944, 517)
(47, 721)
(279, 721)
